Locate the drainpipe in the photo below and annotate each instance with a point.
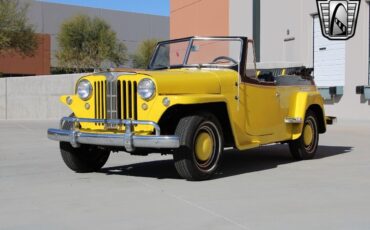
(257, 28)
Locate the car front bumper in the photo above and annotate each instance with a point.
(128, 140)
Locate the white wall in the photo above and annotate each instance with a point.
(36, 98)
(297, 16)
(351, 105)
(2, 98)
(241, 18)
(276, 18)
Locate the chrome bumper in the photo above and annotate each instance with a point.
(128, 140)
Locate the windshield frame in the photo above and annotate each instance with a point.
(240, 66)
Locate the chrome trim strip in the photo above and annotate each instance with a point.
(112, 112)
(128, 140)
(293, 120)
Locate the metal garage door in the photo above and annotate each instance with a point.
(329, 59)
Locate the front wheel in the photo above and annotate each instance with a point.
(305, 147)
(201, 141)
(86, 158)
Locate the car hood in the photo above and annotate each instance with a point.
(183, 81)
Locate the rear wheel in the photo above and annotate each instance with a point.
(86, 158)
(305, 147)
(201, 142)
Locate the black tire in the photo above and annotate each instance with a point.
(201, 146)
(86, 158)
(302, 149)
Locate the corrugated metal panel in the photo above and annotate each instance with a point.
(329, 59)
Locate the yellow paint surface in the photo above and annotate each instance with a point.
(256, 112)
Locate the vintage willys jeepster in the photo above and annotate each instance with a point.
(198, 96)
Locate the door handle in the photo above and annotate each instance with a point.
(277, 94)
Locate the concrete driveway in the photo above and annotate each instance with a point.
(257, 189)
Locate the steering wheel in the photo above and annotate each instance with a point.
(224, 58)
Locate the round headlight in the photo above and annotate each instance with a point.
(146, 89)
(84, 89)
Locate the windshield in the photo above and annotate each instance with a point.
(198, 52)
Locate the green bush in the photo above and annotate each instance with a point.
(88, 43)
(142, 57)
(15, 32)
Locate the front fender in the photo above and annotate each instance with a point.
(157, 108)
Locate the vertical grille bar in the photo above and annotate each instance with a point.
(101, 100)
(123, 86)
(135, 100)
(104, 99)
(119, 100)
(124, 96)
(126, 100)
(95, 101)
(130, 99)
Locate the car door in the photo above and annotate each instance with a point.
(262, 108)
(261, 101)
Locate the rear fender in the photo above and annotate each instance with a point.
(301, 103)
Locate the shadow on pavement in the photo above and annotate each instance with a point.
(232, 163)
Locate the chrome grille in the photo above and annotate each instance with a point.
(115, 100)
(127, 99)
(112, 100)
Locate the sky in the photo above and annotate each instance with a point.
(156, 7)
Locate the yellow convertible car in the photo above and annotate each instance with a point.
(198, 96)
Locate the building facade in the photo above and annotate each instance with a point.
(131, 28)
(14, 64)
(288, 33)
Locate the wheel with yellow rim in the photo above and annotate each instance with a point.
(201, 142)
(305, 147)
